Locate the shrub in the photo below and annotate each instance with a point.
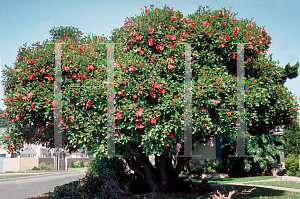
(86, 164)
(77, 165)
(71, 165)
(43, 166)
(292, 141)
(292, 164)
(107, 177)
(212, 168)
(81, 164)
(35, 168)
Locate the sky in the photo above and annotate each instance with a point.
(29, 21)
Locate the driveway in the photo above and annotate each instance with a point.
(23, 187)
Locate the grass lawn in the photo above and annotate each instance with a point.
(77, 169)
(287, 184)
(14, 175)
(240, 179)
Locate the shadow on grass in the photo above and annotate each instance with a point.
(259, 192)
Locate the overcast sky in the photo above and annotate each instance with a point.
(29, 21)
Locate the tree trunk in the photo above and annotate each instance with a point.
(162, 176)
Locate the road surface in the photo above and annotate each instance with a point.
(23, 187)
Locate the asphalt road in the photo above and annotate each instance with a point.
(23, 187)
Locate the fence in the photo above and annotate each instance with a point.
(9, 164)
(20, 163)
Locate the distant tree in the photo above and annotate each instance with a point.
(65, 32)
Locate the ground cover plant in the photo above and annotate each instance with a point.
(149, 82)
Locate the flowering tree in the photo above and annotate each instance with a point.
(149, 89)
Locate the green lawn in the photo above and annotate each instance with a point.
(257, 193)
(240, 179)
(287, 184)
(77, 169)
(14, 175)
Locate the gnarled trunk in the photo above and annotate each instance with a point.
(161, 176)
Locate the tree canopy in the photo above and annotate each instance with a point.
(149, 86)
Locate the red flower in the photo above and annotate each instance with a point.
(138, 113)
(237, 124)
(227, 37)
(151, 30)
(54, 104)
(232, 99)
(133, 40)
(120, 93)
(152, 58)
(162, 91)
(250, 25)
(62, 120)
(42, 70)
(133, 118)
(32, 106)
(132, 68)
(139, 124)
(220, 38)
(74, 76)
(234, 55)
(50, 78)
(90, 66)
(20, 95)
(30, 94)
(30, 77)
(30, 61)
(88, 104)
(234, 20)
(11, 119)
(104, 109)
(171, 66)
(221, 13)
(140, 91)
(150, 42)
(159, 47)
(40, 84)
(9, 148)
(134, 96)
(184, 34)
(152, 94)
(5, 138)
(71, 117)
(18, 117)
(83, 76)
(236, 29)
(152, 120)
(171, 135)
(173, 18)
(170, 58)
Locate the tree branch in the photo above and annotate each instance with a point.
(134, 166)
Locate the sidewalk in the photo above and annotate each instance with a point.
(40, 172)
(278, 178)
